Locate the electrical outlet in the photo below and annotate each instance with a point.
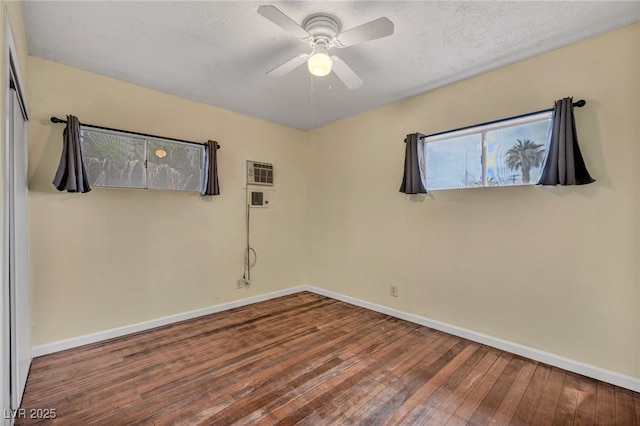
(393, 290)
(240, 283)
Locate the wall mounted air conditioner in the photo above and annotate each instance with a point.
(259, 173)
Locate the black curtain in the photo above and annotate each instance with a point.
(71, 175)
(412, 178)
(212, 186)
(564, 164)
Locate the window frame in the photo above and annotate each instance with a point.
(146, 140)
(482, 130)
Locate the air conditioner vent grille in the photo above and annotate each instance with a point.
(259, 173)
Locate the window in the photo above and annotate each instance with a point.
(507, 152)
(130, 161)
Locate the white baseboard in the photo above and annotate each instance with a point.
(628, 382)
(74, 342)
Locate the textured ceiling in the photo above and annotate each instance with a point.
(218, 52)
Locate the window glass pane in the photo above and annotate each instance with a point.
(174, 165)
(454, 163)
(113, 159)
(515, 154)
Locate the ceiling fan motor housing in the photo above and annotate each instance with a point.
(323, 29)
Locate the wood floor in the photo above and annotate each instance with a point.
(307, 359)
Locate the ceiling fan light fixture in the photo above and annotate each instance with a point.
(319, 62)
(323, 32)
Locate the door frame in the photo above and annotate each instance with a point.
(11, 77)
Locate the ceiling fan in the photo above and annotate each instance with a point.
(322, 32)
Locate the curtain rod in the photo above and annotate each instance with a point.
(58, 120)
(578, 104)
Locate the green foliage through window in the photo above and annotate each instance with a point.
(131, 161)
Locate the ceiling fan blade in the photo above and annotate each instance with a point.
(381, 27)
(288, 66)
(277, 17)
(346, 74)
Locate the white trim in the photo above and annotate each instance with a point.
(628, 382)
(61, 345)
(622, 380)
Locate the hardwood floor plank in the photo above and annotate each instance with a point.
(422, 405)
(396, 383)
(265, 388)
(413, 380)
(568, 401)
(278, 390)
(636, 404)
(457, 397)
(496, 395)
(506, 411)
(586, 405)
(467, 409)
(119, 371)
(302, 404)
(529, 403)
(310, 360)
(351, 409)
(388, 361)
(338, 385)
(546, 410)
(605, 403)
(203, 365)
(625, 409)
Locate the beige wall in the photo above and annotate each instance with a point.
(115, 257)
(555, 269)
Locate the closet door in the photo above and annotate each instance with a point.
(20, 325)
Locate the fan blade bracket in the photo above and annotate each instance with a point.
(276, 16)
(378, 28)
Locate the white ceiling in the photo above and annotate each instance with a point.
(218, 52)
